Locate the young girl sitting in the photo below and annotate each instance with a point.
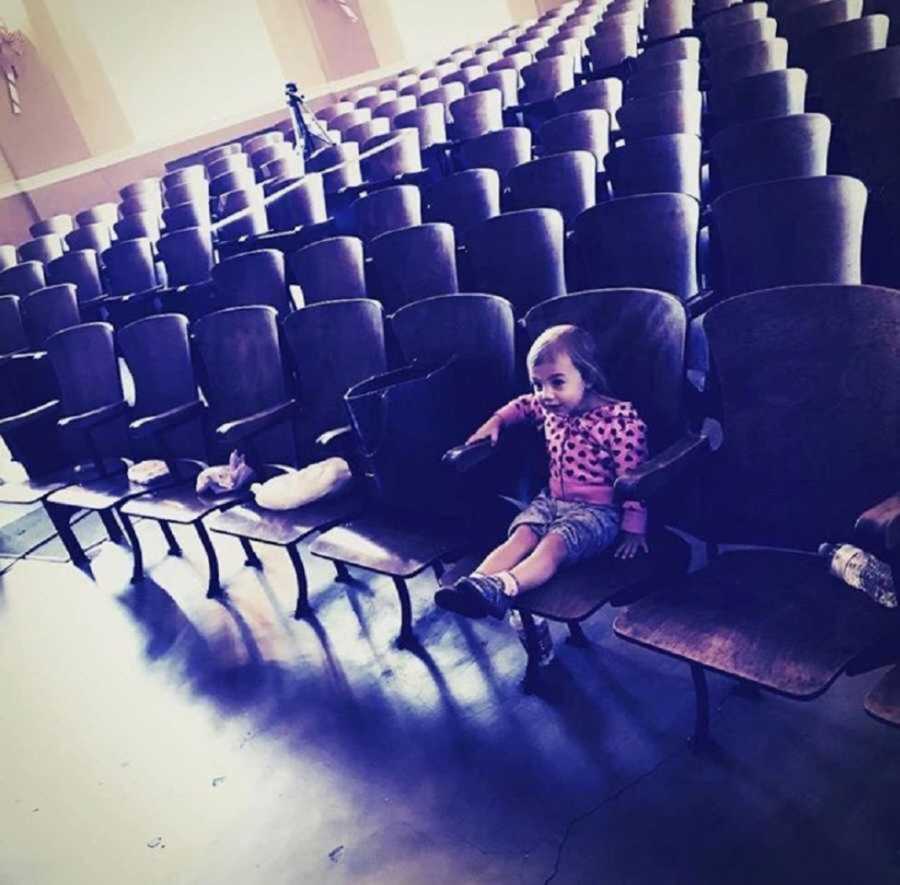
(591, 440)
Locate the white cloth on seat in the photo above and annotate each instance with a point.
(304, 486)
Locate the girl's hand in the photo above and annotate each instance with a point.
(630, 545)
(489, 430)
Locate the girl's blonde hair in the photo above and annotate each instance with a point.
(580, 348)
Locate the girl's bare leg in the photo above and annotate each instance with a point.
(541, 564)
(511, 552)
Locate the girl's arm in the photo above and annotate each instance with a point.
(522, 408)
(629, 450)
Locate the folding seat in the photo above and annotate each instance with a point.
(376, 98)
(223, 150)
(97, 236)
(232, 181)
(544, 80)
(644, 242)
(775, 94)
(399, 157)
(890, 9)
(640, 336)
(327, 114)
(344, 121)
(12, 333)
(355, 95)
(79, 267)
(504, 81)
(464, 200)
(571, 49)
(807, 21)
(332, 346)
(484, 57)
(442, 70)
(413, 263)
(705, 8)
(187, 255)
(384, 210)
(362, 132)
(476, 115)
(662, 164)
(443, 95)
(773, 616)
(55, 224)
(45, 311)
(414, 90)
(532, 47)
(428, 120)
(264, 139)
(789, 232)
(242, 212)
(338, 165)
(137, 225)
(566, 182)
(770, 149)
(464, 75)
(270, 152)
(23, 278)
(44, 248)
(824, 47)
(669, 51)
(186, 215)
(104, 213)
(514, 59)
(390, 109)
(255, 277)
(667, 113)
(665, 19)
(288, 166)
(143, 201)
(605, 95)
(580, 131)
(196, 172)
(330, 270)
(141, 186)
(519, 256)
(678, 76)
(193, 190)
(747, 61)
(499, 150)
(733, 14)
(753, 30)
(8, 257)
(864, 79)
(129, 267)
(404, 422)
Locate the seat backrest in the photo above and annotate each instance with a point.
(330, 270)
(97, 236)
(506, 81)
(734, 14)
(333, 345)
(20, 279)
(743, 33)
(605, 94)
(823, 15)
(867, 78)
(8, 256)
(43, 248)
(138, 224)
(677, 76)
(242, 373)
(141, 201)
(519, 256)
(12, 332)
(80, 268)
(566, 182)
(808, 378)
(478, 330)
(187, 255)
(414, 263)
(106, 213)
(443, 95)
(610, 49)
(668, 18)
(428, 120)
(398, 153)
(46, 311)
(55, 224)
(826, 46)
(664, 114)
(390, 109)
(464, 199)
(388, 209)
(579, 131)
(640, 336)
(747, 61)
(499, 150)
(362, 132)
(774, 94)
(297, 202)
(477, 114)
(186, 215)
(255, 277)
(662, 164)
(130, 267)
(766, 150)
(677, 49)
(545, 79)
(647, 241)
(790, 232)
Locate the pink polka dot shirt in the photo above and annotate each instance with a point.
(588, 451)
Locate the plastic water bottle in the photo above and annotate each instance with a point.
(861, 570)
(543, 639)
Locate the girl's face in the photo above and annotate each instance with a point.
(559, 385)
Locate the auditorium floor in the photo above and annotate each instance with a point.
(151, 735)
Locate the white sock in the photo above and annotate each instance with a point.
(510, 584)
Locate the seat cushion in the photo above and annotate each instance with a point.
(883, 701)
(776, 619)
(285, 527)
(391, 543)
(577, 592)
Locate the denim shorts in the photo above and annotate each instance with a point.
(587, 529)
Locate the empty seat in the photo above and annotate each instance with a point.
(187, 255)
(255, 277)
(823, 15)
(330, 270)
(679, 49)
(566, 182)
(754, 30)
(8, 256)
(476, 114)
(105, 213)
(774, 94)
(186, 215)
(668, 18)
(398, 153)
(544, 80)
(390, 109)
(55, 224)
(97, 236)
(129, 267)
(498, 150)
(46, 311)
(12, 333)
(385, 210)
(677, 76)
(817, 51)
(20, 279)
(579, 131)
(297, 202)
(139, 224)
(339, 166)
(44, 248)
(603, 95)
(362, 132)
(506, 82)
(662, 164)
(464, 200)
(428, 120)
(667, 113)
(79, 267)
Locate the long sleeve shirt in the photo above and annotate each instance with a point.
(588, 451)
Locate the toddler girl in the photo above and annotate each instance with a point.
(591, 439)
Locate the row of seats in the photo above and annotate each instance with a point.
(769, 225)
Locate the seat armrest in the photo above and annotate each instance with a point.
(465, 457)
(701, 303)
(87, 421)
(878, 529)
(336, 440)
(233, 432)
(656, 473)
(155, 424)
(14, 422)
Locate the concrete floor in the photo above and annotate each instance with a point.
(150, 735)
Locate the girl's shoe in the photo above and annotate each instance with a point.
(475, 596)
(543, 641)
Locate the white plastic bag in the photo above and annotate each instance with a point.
(304, 486)
(148, 473)
(224, 478)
